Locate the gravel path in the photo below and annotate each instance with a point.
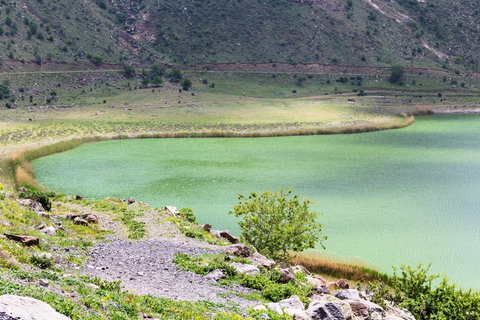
(147, 268)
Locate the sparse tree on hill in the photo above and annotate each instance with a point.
(397, 72)
(186, 84)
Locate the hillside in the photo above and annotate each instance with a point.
(185, 32)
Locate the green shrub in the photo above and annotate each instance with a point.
(40, 196)
(42, 260)
(187, 213)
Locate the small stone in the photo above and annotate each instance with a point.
(43, 282)
(172, 210)
(22, 189)
(50, 231)
(72, 216)
(245, 268)
(131, 200)
(260, 260)
(80, 221)
(207, 227)
(229, 236)
(343, 284)
(79, 198)
(41, 226)
(348, 294)
(92, 286)
(216, 275)
(238, 249)
(91, 218)
(287, 274)
(293, 302)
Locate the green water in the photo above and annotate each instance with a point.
(405, 195)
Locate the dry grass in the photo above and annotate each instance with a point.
(335, 267)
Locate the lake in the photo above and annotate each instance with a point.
(387, 197)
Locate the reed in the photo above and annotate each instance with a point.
(422, 111)
(335, 267)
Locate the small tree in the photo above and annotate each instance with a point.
(275, 224)
(97, 58)
(175, 75)
(129, 70)
(186, 84)
(157, 80)
(397, 73)
(145, 82)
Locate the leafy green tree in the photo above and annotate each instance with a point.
(157, 80)
(276, 223)
(97, 58)
(145, 82)
(5, 90)
(155, 69)
(175, 75)
(129, 70)
(186, 84)
(300, 80)
(397, 72)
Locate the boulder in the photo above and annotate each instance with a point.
(391, 317)
(229, 236)
(79, 198)
(207, 227)
(172, 211)
(348, 294)
(41, 226)
(401, 313)
(344, 305)
(61, 228)
(131, 200)
(27, 308)
(80, 221)
(300, 268)
(91, 218)
(44, 214)
(260, 260)
(238, 249)
(216, 275)
(287, 274)
(326, 311)
(72, 216)
(245, 268)
(293, 302)
(321, 290)
(216, 234)
(315, 281)
(22, 189)
(275, 307)
(32, 204)
(366, 310)
(343, 284)
(298, 314)
(50, 231)
(43, 282)
(26, 240)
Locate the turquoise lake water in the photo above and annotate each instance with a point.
(406, 195)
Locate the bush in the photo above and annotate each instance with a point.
(97, 58)
(275, 224)
(187, 214)
(397, 73)
(129, 70)
(42, 260)
(186, 84)
(42, 197)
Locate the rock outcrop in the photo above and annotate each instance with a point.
(26, 308)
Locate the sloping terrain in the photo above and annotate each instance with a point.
(435, 34)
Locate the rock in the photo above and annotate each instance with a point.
(260, 260)
(260, 307)
(172, 211)
(91, 218)
(61, 228)
(359, 309)
(264, 316)
(22, 189)
(207, 227)
(298, 314)
(229, 236)
(27, 308)
(300, 268)
(391, 317)
(41, 226)
(32, 204)
(315, 282)
(363, 309)
(321, 290)
(293, 302)
(401, 313)
(79, 198)
(216, 234)
(50, 231)
(326, 311)
(44, 214)
(275, 307)
(72, 216)
(43, 282)
(238, 249)
(92, 286)
(343, 284)
(131, 200)
(245, 268)
(80, 221)
(26, 240)
(287, 274)
(348, 294)
(344, 305)
(216, 275)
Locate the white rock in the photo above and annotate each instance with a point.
(293, 302)
(27, 308)
(245, 268)
(275, 307)
(50, 231)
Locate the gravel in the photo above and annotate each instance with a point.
(146, 267)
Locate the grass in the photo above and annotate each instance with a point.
(331, 266)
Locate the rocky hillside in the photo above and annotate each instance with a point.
(437, 34)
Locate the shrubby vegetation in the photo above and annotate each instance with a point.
(276, 224)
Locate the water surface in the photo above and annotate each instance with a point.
(405, 195)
